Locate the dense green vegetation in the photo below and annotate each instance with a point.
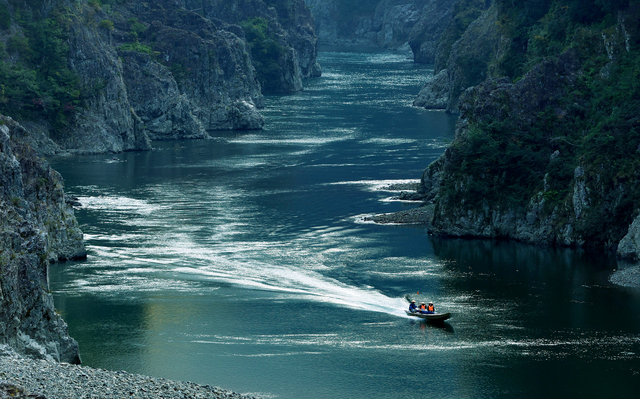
(40, 84)
(594, 123)
(265, 52)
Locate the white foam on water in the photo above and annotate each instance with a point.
(174, 262)
(117, 204)
(307, 284)
(375, 185)
(175, 259)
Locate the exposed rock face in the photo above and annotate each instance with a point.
(290, 23)
(384, 23)
(107, 123)
(629, 247)
(435, 93)
(37, 226)
(168, 113)
(497, 99)
(187, 74)
(301, 35)
(521, 103)
(467, 63)
(568, 200)
(425, 35)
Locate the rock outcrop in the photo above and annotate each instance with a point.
(37, 226)
(107, 122)
(197, 72)
(466, 64)
(425, 35)
(435, 92)
(290, 25)
(462, 210)
(629, 246)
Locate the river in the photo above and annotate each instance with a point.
(243, 262)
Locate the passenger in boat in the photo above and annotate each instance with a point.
(423, 307)
(413, 307)
(431, 308)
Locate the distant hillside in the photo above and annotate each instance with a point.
(383, 23)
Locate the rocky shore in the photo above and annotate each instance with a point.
(628, 276)
(420, 215)
(21, 377)
(406, 192)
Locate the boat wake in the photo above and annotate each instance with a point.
(296, 283)
(126, 262)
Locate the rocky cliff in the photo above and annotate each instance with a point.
(109, 76)
(547, 148)
(37, 227)
(461, 53)
(436, 18)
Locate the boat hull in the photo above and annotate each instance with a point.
(435, 317)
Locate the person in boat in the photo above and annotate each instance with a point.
(423, 307)
(431, 308)
(413, 307)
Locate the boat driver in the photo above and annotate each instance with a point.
(413, 307)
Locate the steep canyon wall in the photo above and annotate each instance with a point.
(37, 226)
(110, 76)
(547, 144)
(390, 24)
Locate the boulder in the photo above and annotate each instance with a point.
(629, 246)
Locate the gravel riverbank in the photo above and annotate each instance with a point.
(26, 378)
(627, 277)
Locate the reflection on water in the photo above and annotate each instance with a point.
(239, 262)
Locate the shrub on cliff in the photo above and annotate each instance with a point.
(265, 52)
(35, 79)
